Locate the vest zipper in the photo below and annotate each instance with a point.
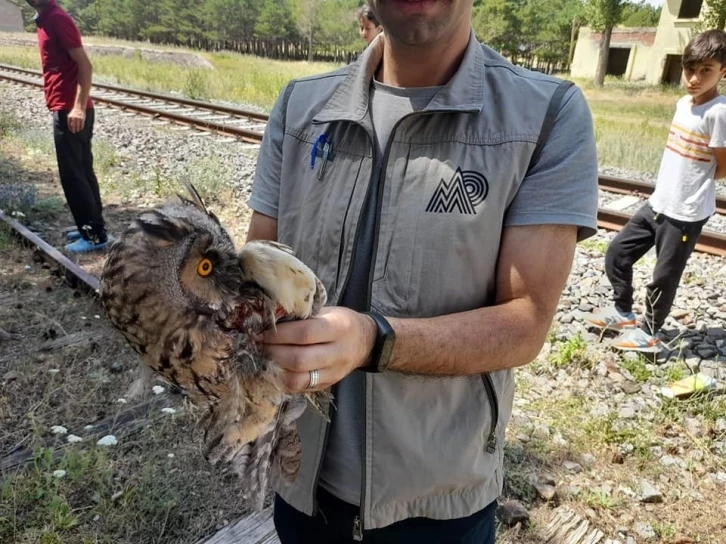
(320, 468)
(358, 522)
(357, 529)
(494, 407)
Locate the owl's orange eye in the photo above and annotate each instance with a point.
(204, 268)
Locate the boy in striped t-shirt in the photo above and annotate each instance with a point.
(683, 200)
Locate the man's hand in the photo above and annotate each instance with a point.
(335, 343)
(76, 120)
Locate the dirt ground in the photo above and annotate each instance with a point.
(62, 365)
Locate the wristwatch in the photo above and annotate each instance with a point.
(383, 346)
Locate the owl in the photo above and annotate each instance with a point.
(191, 305)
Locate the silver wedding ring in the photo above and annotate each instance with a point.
(314, 378)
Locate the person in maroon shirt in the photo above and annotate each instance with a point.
(67, 73)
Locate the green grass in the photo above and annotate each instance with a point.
(594, 244)
(637, 367)
(571, 352)
(631, 119)
(634, 146)
(5, 239)
(709, 405)
(601, 500)
(237, 78)
(8, 124)
(675, 373)
(44, 506)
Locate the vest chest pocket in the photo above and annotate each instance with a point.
(315, 204)
(439, 235)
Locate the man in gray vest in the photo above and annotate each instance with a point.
(438, 192)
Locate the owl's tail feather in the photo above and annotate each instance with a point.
(321, 401)
(276, 453)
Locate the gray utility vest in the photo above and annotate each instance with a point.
(433, 446)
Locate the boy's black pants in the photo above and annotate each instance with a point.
(674, 242)
(333, 524)
(75, 166)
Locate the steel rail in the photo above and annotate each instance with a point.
(73, 273)
(709, 241)
(197, 104)
(245, 135)
(614, 184)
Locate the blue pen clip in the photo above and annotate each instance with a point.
(314, 153)
(322, 148)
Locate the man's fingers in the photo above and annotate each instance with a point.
(75, 124)
(316, 330)
(294, 359)
(298, 382)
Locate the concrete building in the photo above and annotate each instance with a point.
(630, 55)
(11, 19)
(642, 54)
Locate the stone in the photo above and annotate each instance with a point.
(11, 376)
(571, 466)
(630, 388)
(644, 530)
(588, 458)
(694, 427)
(510, 513)
(541, 431)
(545, 491)
(649, 494)
(706, 351)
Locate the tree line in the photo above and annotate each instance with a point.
(534, 33)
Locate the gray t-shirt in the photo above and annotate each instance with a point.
(341, 474)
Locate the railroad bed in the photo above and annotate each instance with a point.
(246, 125)
(700, 311)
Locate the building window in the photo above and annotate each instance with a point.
(690, 9)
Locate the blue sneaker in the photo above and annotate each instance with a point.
(84, 246)
(610, 318)
(637, 340)
(73, 235)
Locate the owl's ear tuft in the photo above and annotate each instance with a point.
(160, 226)
(195, 199)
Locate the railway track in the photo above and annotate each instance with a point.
(244, 125)
(709, 242)
(226, 120)
(613, 184)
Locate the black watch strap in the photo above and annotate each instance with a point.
(383, 347)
